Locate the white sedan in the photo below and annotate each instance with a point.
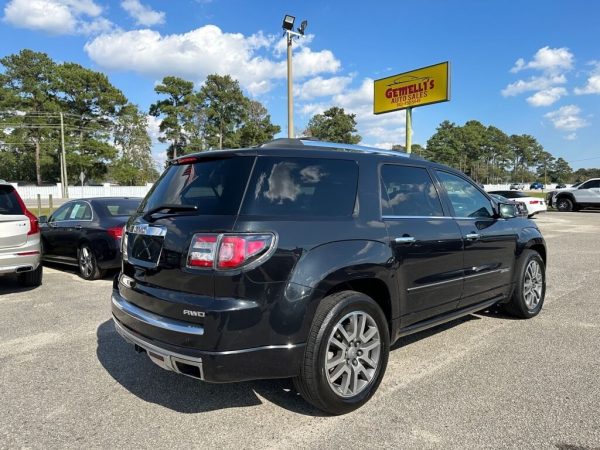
(534, 205)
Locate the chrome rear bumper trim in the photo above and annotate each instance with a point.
(154, 319)
(159, 356)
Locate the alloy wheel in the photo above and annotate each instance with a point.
(533, 285)
(353, 354)
(86, 264)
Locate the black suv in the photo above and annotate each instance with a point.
(307, 259)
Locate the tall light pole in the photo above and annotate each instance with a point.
(288, 28)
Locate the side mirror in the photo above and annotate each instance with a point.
(507, 210)
(43, 219)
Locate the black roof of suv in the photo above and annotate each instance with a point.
(307, 259)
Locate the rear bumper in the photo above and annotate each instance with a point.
(275, 361)
(24, 260)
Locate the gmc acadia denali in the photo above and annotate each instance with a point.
(307, 259)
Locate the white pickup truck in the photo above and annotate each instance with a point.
(578, 196)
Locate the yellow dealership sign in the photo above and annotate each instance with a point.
(411, 89)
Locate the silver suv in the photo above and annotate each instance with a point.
(20, 248)
(578, 196)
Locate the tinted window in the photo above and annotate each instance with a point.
(302, 187)
(510, 194)
(9, 204)
(215, 186)
(408, 191)
(591, 184)
(466, 199)
(61, 213)
(117, 206)
(81, 211)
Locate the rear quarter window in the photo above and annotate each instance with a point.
(302, 187)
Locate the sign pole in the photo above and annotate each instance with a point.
(408, 129)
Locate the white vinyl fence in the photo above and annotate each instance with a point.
(106, 190)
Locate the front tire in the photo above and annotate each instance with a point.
(564, 204)
(346, 353)
(530, 291)
(88, 266)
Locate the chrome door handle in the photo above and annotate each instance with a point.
(472, 236)
(405, 240)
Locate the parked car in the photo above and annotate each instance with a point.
(577, 197)
(561, 186)
(521, 207)
(536, 185)
(534, 205)
(516, 187)
(19, 239)
(87, 233)
(307, 259)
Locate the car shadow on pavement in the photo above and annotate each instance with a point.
(136, 373)
(74, 270)
(10, 285)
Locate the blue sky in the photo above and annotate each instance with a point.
(528, 67)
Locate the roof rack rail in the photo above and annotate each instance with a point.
(313, 142)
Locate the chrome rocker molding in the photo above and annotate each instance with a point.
(161, 357)
(155, 320)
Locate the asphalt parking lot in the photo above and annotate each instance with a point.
(68, 380)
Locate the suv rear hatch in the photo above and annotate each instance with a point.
(193, 196)
(16, 222)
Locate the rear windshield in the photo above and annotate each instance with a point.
(215, 186)
(9, 203)
(302, 187)
(118, 206)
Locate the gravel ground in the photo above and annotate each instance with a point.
(485, 381)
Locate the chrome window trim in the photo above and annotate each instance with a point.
(389, 216)
(75, 220)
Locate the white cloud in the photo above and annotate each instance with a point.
(567, 118)
(551, 60)
(57, 16)
(547, 97)
(571, 136)
(533, 84)
(377, 130)
(203, 51)
(593, 82)
(143, 15)
(321, 87)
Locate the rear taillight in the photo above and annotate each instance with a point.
(534, 202)
(227, 251)
(34, 225)
(115, 232)
(124, 241)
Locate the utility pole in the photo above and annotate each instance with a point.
(63, 160)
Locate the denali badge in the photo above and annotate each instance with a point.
(187, 312)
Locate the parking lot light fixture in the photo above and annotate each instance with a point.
(288, 29)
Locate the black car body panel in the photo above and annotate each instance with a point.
(66, 230)
(255, 320)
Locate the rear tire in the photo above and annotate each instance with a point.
(564, 204)
(346, 353)
(530, 291)
(88, 266)
(32, 278)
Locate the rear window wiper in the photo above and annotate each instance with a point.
(168, 208)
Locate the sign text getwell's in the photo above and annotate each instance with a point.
(410, 89)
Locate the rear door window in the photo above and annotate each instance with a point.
(9, 204)
(215, 186)
(306, 187)
(408, 191)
